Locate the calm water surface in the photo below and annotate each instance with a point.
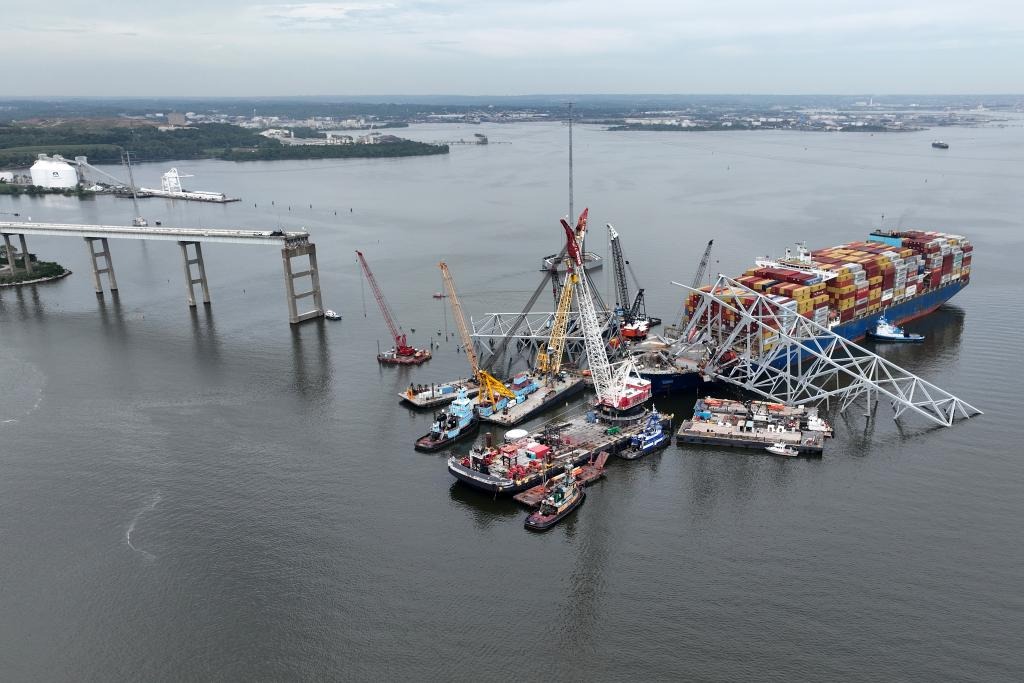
(213, 494)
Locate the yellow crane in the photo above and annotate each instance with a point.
(491, 388)
(549, 359)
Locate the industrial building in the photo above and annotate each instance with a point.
(54, 172)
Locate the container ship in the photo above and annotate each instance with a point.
(902, 275)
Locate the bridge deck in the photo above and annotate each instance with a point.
(221, 235)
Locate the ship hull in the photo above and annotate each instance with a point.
(425, 444)
(538, 522)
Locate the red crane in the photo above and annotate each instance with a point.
(402, 354)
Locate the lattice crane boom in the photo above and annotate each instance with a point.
(549, 359)
(491, 388)
(699, 275)
(618, 268)
(401, 342)
(460, 319)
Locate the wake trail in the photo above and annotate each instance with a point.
(135, 520)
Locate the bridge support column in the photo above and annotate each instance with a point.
(9, 252)
(190, 281)
(24, 255)
(290, 251)
(94, 257)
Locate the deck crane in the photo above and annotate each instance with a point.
(491, 388)
(619, 388)
(549, 359)
(402, 353)
(697, 277)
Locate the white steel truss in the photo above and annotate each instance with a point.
(750, 341)
(534, 334)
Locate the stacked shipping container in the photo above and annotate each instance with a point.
(868, 276)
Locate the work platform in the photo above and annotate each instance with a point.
(293, 244)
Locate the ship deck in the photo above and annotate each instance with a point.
(585, 474)
(738, 436)
(537, 402)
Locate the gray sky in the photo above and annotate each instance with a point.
(507, 47)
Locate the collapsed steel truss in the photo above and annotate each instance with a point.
(752, 342)
(534, 333)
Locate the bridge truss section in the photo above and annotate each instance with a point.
(752, 342)
(534, 333)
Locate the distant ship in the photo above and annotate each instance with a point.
(939, 144)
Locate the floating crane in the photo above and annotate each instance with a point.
(619, 388)
(549, 358)
(402, 353)
(491, 388)
(636, 322)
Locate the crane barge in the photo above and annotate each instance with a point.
(636, 322)
(618, 417)
(401, 353)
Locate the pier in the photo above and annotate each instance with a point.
(293, 245)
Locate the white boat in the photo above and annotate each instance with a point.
(780, 448)
(886, 331)
(332, 315)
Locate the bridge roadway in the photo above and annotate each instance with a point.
(292, 244)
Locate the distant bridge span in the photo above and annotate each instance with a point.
(292, 244)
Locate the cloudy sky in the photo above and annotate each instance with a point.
(506, 47)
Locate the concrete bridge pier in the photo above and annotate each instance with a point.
(94, 257)
(9, 252)
(190, 281)
(292, 250)
(24, 254)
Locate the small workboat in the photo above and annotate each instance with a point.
(332, 315)
(886, 331)
(652, 438)
(939, 144)
(564, 497)
(780, 448)
(440, 295)
(457, 422)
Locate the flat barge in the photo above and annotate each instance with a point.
(584, 475)
(545, 398)
(734, 424)
(511, 469)
(435, 395)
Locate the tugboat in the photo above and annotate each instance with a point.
(652, 438)
(332, 315)
(939, 144)
(565, 496)
(457, 422)
(780, 448)
(887, 332)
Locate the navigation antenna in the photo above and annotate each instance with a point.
(571, 211)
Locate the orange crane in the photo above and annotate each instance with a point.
(491, 388)
(402, 353)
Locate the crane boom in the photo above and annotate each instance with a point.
(549, 359)
(460, 319)
(617, 389)
(491, 388)
(619, 268)
(401, 343)
(699, 275)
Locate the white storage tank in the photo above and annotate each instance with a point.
(55, 172)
